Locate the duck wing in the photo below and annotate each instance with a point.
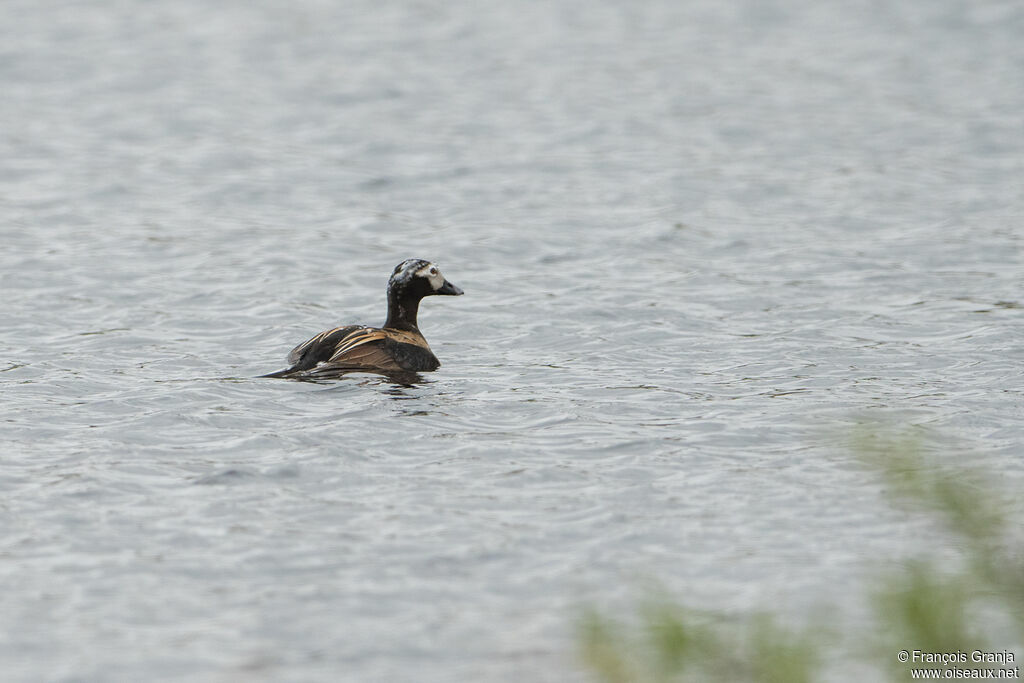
(320, 348)
(379, 350)
(357, 347)
(364, 348)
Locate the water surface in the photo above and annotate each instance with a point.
(699, 242)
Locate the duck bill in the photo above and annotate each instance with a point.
(449, 288)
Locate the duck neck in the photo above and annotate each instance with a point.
(402, 310)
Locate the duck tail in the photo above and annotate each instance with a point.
(287, 372)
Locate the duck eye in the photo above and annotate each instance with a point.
(433, 271)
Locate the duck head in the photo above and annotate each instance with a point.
(411, 280)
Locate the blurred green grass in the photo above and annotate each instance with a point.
(923, 606)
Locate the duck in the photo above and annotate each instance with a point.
(397, 347)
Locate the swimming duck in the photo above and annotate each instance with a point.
(397, 347)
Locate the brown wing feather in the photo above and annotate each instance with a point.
(358, 338)
(331, 337)
(352, 348)
(371, 356)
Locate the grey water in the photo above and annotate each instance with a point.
(700, 242)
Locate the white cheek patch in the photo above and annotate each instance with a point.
(436, 280)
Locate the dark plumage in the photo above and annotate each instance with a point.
(396, 348)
